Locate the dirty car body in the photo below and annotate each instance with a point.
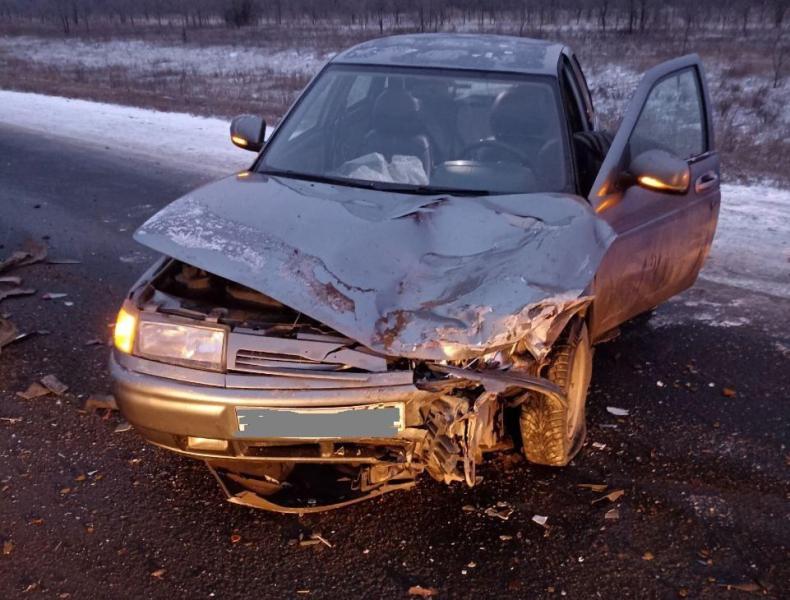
(425, 250)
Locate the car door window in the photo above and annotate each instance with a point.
(672, 118)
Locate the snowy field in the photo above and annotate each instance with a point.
(751, 249)
(143, 56)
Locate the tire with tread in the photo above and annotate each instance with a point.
(552, 434)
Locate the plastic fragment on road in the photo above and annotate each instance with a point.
(314, 539)
(422, 592)
(501, 510)
(618, 412)
(17, 291)
(594, 487)
(34, 390)
(540, 520)
(54, 385)
(122, 426)
(98, 401)
(612, 496)
(53, 295)
(612, 514)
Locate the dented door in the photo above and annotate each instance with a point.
(662, 237)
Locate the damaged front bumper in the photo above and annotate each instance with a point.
(448, 417)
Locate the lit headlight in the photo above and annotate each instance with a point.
(188, 345)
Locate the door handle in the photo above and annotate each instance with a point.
(706, 181)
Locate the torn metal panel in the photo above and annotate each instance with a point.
(427, 277)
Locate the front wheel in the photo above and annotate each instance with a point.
(553, 434)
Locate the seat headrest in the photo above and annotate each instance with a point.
(396, 111)
(518, 111)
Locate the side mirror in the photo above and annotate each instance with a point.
(661, 171)
(248, 131)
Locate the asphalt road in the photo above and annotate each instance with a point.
(89, 512)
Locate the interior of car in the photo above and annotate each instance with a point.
(490, 132)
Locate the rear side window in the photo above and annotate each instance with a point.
(672, 118)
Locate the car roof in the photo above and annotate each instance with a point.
(481, 52)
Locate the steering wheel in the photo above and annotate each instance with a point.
(519, 155)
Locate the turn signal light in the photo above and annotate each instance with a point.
(125, 328)
(652, 182)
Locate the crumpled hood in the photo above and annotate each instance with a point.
(429, 277)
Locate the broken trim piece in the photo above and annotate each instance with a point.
(253, 500)
(499, 382)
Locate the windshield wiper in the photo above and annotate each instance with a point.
(314, 177)
(426, 190)
(381, 186)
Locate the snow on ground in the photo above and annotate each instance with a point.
(181, 140)
(751, 249)
(146, 56)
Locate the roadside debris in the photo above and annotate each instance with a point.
(743, 587)
(418, 590)
(540, 520)
(313, 539)
(502, 510)
(54, 385)
(612, 514)
(34, 390)
(94, 342)
(49, 384)
(11, 420)
(53, 295)
(648, 556)
(728, 392)
(618, 412)
(599, 446)
(8, 547)
(63, 261)
(32, 252)
(594, 487)
(8, 332)
(123, 426)
(611, 496)
(17, 291)
(159, 573)
(99, 401)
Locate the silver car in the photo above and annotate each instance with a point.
(414, 270)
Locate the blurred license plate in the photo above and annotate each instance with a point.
(377, 421)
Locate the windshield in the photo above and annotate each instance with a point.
(424, 130)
